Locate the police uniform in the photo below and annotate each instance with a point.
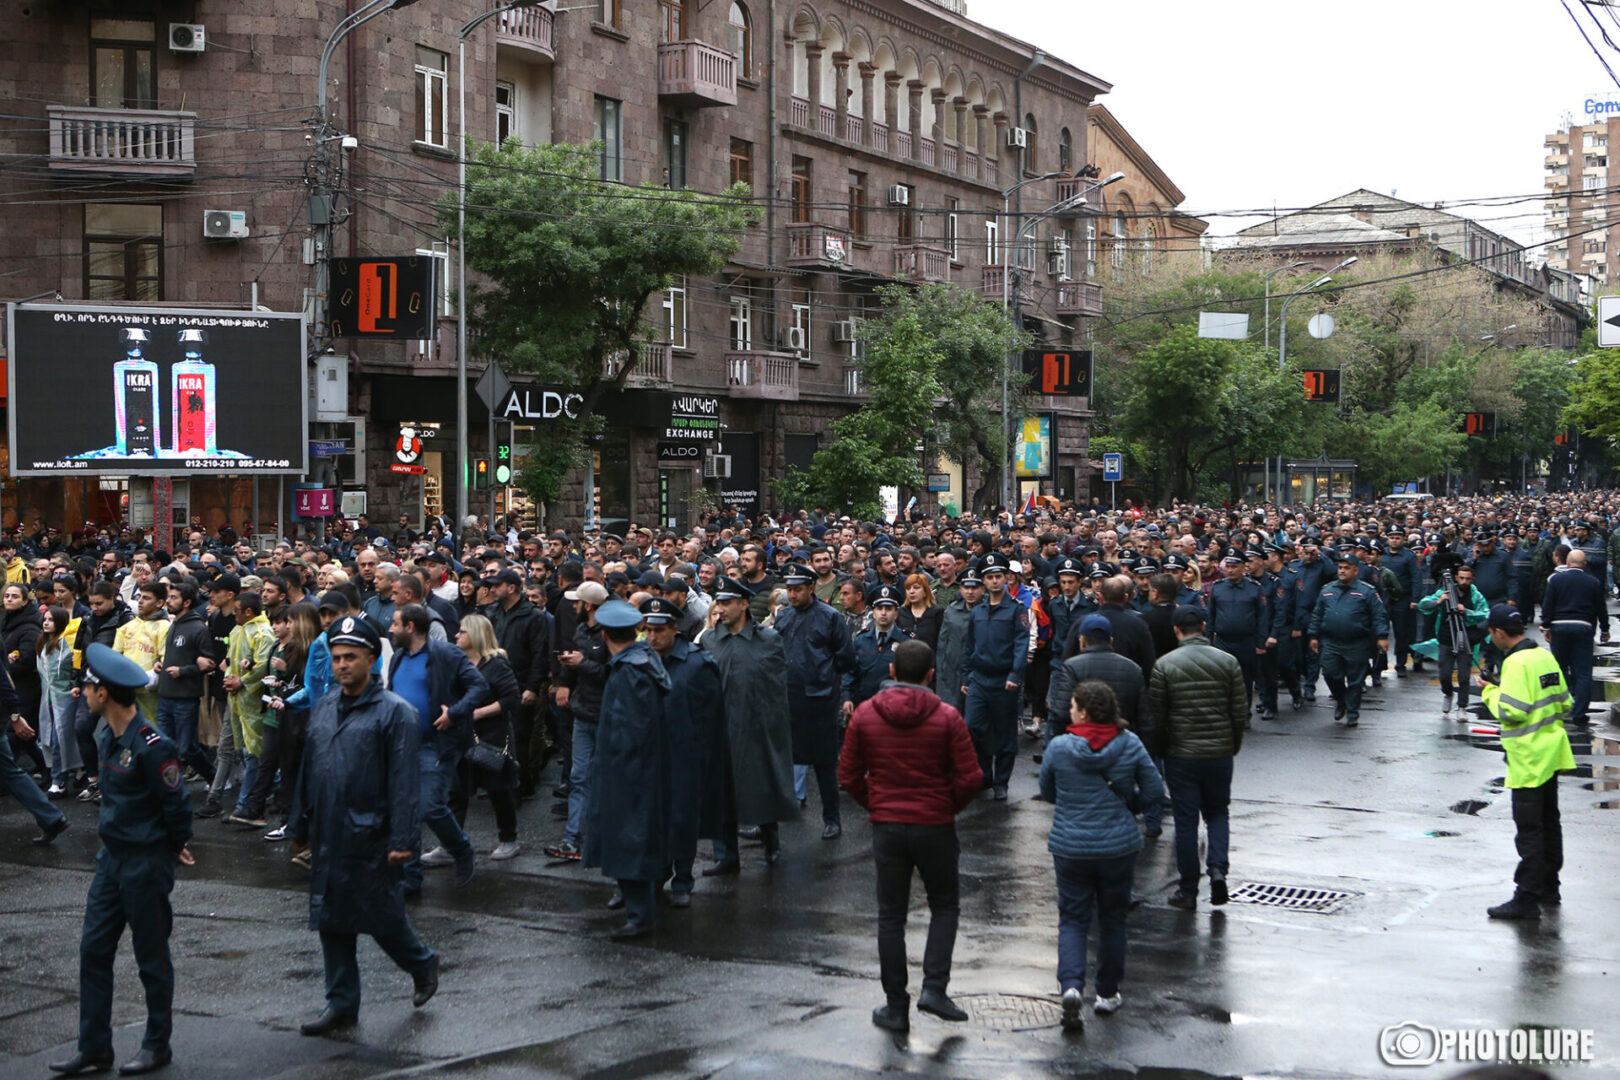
(1283, 623)
(817, 644)
(1185, 595)
(1269, 661)
(874, 651)
(1346, 623)
(996, 653)
(1238, 612)
(145, 823)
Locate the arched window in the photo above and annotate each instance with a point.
(1031, 158)
(1150, 236)
(742, 41)
(1117, 256)
(1065, 152)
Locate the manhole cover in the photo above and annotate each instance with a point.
(1292, 897)
(1010, 1012)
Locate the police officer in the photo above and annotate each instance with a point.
(1344, 625)
(1530, 702)
(145, 825)
(1399, 560)
(1283, 596)
(1238, 613)
(993, 663)
(874, 647)
(817, 644)
(953, 640)
(1314, 573)
(1179, 568)
(1066, 609)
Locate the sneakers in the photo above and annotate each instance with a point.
(246, 820)
(506, 849)
(1217, 888)
(1446, 709)
(1186, 901)
(276, 835)
(56, 791)
(1108, 1006)
(301, 858)
(1071, 1010)
(438, 857)
(999, 793)
(91, 792)
(211, 807)
(566, 850)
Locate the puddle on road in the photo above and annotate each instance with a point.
(1441, 832)
(1602, 785)
(1468, 806)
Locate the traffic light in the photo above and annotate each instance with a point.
(503, 458)
(480, 474)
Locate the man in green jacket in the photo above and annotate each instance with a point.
(1454, 652)
(1199, 704)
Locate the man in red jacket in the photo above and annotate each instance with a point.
(909, 761)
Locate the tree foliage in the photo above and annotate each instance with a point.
(567, 264)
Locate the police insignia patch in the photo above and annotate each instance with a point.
(171, 774)
(152, 736)
(126, 759)
(1549, 680)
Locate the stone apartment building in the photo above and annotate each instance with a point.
(881, 136)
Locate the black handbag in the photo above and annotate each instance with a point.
(488, 756)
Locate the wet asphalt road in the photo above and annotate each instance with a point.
(774, 973)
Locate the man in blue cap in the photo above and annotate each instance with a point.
(627, 830)
(357, 808)
(145, 825)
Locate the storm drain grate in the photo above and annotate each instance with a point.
(1292, 897)
(1010, 1012)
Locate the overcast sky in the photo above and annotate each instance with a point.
(1260, 102)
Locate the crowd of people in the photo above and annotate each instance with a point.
(689, 684)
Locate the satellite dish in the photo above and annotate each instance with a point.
(1320, 326)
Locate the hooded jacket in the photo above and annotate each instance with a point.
(1089, 820)
(908, 758)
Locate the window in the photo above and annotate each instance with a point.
(1065, 151)
(1091, 249)
(607, 13)
(857, 204)
(742, 162)
(1592, 183)
(801, 319)
(1031, 157)
(1118, 254)
(123, 63)
(674, 154)
(1149, 236)
(432, 102)
(440, 254)
(505, 112)
(952, 206)
(801, 189)
(123, 251)
(611, 135)
(742, 324)
(992, 231)
(906, 228)
(675, 314)
(742, 40)
(672, 15)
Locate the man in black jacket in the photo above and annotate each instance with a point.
(107, 613)
(583, 667)
(1130, 634)
(188, 656)
(1572, 610)
(524, 631)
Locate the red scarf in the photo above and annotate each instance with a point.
(1097, 735)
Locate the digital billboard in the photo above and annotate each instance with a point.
(155, 391)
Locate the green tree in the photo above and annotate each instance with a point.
(876, 445)
(1411, 440)
(567, 264)
(1174, 401)
(1594, 398)
(973, 339)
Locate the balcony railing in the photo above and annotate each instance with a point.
(692, 73)
(829, 120)
(902, 144)
(927, 151)
(1079, 298)
(810, 244)
(529, 29)
(922, 263)
(764, 375)
(992, 283)
(854, 128)
(122, 142)
(657, 366)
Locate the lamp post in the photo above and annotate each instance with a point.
(1282, 335)
(1006, 302)
(461, 258)
(1267, 279)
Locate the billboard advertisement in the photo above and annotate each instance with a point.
(1032, 448)
(1061, 374)
(155, 391)
(383, 297)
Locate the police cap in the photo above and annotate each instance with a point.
(656, 611)
(104, 667)
(797, 574)
(884, 596)
(730, 588)
(354, 630)
(617, 615)
(1070, 565)
(994, 563)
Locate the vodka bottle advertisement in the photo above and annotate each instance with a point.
(135, 389)
(195, 425)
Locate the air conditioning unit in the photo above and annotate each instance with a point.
(225, 225)
(845, 331)
(899, 195)
(717, 466)
(791, 338)
(1057, 260)
(187, 37)
(1017, 138)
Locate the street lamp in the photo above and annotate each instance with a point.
(461, 256)
(1267, 279)
(1006, 301)
(1282, 342)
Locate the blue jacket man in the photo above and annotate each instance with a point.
(1348, 618)
(1284, 595)
(874, 652)
(820, 655)
(1314, 573)
(1494, 574)
(993, 662)
(1239, 617)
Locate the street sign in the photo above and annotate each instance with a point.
(1113, 468)
(328, 447)
(1223, 324)
(1608, 317)
(1322, 385)
(1320, 326)
(493, 386)
(938, 482)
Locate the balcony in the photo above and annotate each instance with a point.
(1079, 298)
(854, 386)
(129, 143)
(923, 264)
(656, 369)
(697, 75)
(527, 29)
(764, 376)
(818, 246)
(991, 285)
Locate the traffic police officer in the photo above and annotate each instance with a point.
(993, 662)
(144, 827)
(874, 647)
(1238, 613)
(1530, 702)
(1347, 618)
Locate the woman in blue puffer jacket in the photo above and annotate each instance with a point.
(1096, 773)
